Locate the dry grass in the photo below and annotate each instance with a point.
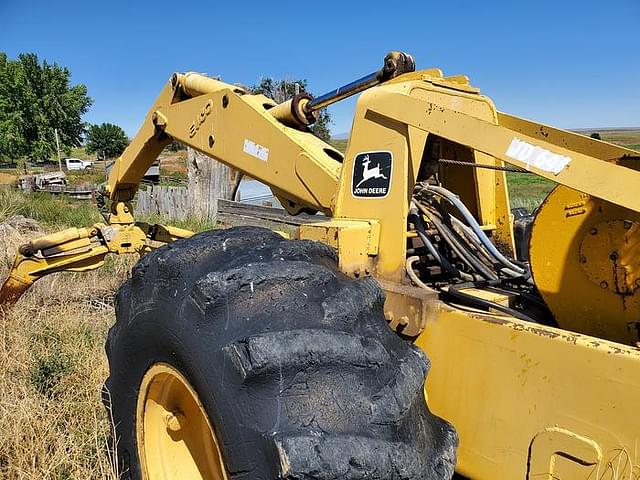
(8, 178)
(53, 424)
(621, 136)
(52, 364)
(174, 162)
(52, 367)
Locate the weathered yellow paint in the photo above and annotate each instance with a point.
(217, 121)
(174, 436)
(502, 382)
(356, 241)
(81, 250)
(585, 265)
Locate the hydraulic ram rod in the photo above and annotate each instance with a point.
(395, 63)
(300, 111)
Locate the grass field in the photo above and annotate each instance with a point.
(52, 362)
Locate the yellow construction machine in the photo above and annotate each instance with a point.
(239, 354)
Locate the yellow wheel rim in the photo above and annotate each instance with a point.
(175, 438)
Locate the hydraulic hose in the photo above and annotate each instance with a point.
(471, 237)
(412, 274)
(455, 292)
(466, 256)
(443, 262)
(440, 219)
(455, 201)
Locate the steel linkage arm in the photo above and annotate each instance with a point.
(238, 129)
(81, 250)
(184, 111)
(73, 250)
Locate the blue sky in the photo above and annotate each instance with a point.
(568, 63)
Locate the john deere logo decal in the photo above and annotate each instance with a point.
(371, 175)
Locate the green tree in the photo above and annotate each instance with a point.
(35, 100)
(282, 90)
(106, 140)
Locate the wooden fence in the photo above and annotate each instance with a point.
(170, 202)
(237, 213)
(209, 183)
(176, 203)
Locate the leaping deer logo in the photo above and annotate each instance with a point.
(369, 173)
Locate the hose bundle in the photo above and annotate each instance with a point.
(465, 254)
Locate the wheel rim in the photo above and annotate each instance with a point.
(174, 436)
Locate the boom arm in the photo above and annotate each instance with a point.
(563, 157)
(269, 142)
(236, 128)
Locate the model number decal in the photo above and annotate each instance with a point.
(537, 157)
(202, 116)
(255, 150)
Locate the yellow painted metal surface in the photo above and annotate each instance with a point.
(375, 129)
(408, 308)
(81, 250)
(357, 242)
(238, 130)
(585, 259)
(542, 157)
(530, 401)
(174, 435)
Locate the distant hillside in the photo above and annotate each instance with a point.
(627, 137)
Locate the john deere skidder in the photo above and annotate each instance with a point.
(239, 354)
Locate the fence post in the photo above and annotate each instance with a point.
(209, 180)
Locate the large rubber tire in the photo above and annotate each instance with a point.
(293, 361)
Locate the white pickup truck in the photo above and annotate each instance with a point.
(77, 164)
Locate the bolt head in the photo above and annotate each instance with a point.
(175, 421)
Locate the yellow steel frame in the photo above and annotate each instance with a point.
(528, 401)
(531, 401)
